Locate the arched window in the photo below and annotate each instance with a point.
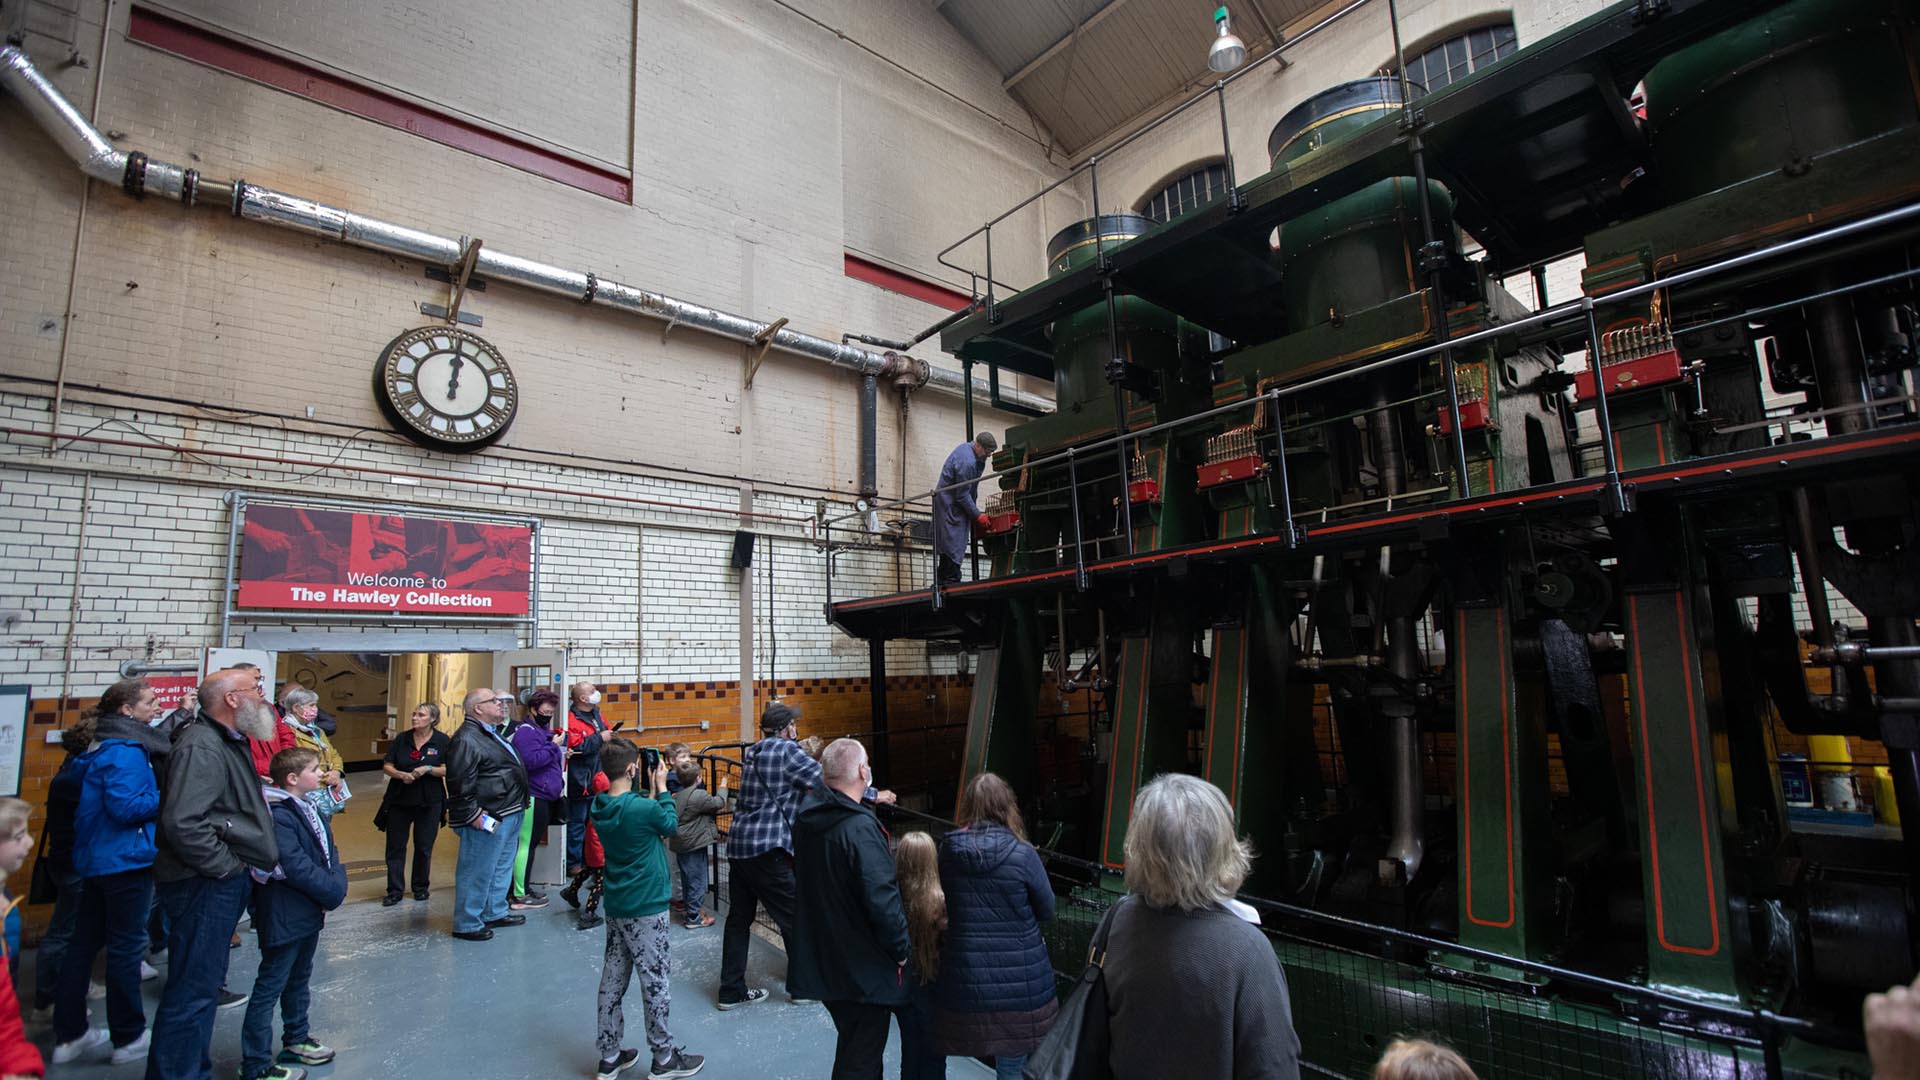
(1201, 185)
(1455, 58)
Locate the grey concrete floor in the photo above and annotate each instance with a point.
(398, 996)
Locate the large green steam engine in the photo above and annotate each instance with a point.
(1488, 614)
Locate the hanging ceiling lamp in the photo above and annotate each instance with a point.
(1228, 51)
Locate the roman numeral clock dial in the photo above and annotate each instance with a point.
(445, 388)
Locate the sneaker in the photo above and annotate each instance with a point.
(420, 894)
(617, 1064)
(41, 1014)
(278, 1072)
(534, 894)
(753, 996)
(92, 1040)
(231, 1000)
(524, 903)
(308, 1052)
(390, 899)
(133, 1051)
(571, 895)
(701, 921)
(590, 922)
(680, 1064)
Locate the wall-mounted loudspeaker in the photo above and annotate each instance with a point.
(742, 550)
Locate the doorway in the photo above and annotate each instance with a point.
(370, 695)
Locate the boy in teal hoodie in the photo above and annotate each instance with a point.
(631, 827)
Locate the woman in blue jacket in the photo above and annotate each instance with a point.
(113, 855)
(995, 993)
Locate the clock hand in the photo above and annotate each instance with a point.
(453, 384)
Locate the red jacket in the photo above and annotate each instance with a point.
(264, 749)
(18, 1057)
(595, 856)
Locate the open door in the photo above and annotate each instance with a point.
(522, 671)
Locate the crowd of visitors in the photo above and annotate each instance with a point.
(179, 824)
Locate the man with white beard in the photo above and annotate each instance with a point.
(214, 827)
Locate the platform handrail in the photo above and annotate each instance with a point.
(1568, 311)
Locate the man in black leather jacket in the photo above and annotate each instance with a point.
(214, 827)
(486, 794)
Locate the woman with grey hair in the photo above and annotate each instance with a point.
(1193, 987)
(301, 706)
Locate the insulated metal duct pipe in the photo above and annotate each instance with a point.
(869, 435)
(140, 175)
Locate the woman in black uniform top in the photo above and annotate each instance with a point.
(416, 800)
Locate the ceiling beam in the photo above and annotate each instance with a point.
(1054, 49)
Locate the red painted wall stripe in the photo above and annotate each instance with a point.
(250, 62)
(906, 285)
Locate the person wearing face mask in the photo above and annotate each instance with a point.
(486, 798)
(214, 825)
(300, 711)
(415, 802)
(586, 732)
(849, 942)
(540, 750)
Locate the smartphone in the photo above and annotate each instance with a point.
(649, 760)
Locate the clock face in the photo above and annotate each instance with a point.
(446, 388)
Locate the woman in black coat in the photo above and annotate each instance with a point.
(995, 993)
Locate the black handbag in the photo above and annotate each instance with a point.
(380, 815)
(1076, 1046)
(41, 888)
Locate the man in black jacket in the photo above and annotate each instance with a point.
(214, 825)
(850, 932)
(486, 794)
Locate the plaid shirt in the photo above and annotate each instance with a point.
(776, 773)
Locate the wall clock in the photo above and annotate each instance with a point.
(445, 388)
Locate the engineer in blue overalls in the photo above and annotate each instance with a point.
(955, 512)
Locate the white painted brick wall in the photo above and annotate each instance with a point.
(636, 592)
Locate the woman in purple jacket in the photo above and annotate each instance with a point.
(539, 746)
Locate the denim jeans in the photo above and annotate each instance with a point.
(483, 874)
(693, 872)
(1008, 1067)
(577, 829)
(201, 915)
(54, 943)
(113, 915)
(285, 971)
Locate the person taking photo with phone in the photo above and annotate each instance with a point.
(632, 818)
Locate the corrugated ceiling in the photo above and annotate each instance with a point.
(1086, 67)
